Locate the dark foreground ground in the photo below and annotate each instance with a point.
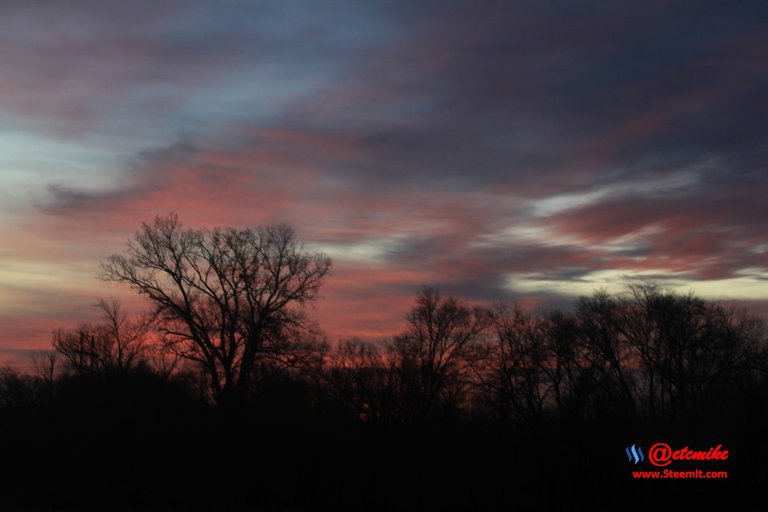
(147, 445)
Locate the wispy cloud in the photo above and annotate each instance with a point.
(510, 150)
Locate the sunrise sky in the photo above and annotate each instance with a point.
(499, 150)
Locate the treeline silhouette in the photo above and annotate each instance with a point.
(224, 396)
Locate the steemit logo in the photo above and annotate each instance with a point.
(635, 453)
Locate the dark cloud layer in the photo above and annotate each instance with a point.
(495, 149)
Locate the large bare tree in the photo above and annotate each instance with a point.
(227, 299)
(436, 351)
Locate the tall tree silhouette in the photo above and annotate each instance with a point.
(523, 372)
(226, 298)
(689, 350)
(609, 357)
(436, 350)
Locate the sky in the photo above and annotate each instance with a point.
(528, 151)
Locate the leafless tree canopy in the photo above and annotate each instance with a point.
(118, 343)
(435, 352)
(226, 298)
(435, 408)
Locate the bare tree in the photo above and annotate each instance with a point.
(225, 298)
(524, 372)
(117, 344)
(608, 358)
(687, 349)
(46, 365)
(361, 376)
(435, 352)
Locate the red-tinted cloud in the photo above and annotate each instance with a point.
(537, 139)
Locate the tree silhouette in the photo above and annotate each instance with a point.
(117, 344)
(423, 420)
(435, 352)
(45, 363)
(364, 379)
(226, 299)
(608, 358)
(688, 350)
(522, 375)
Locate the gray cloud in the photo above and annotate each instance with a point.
(456, 142)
